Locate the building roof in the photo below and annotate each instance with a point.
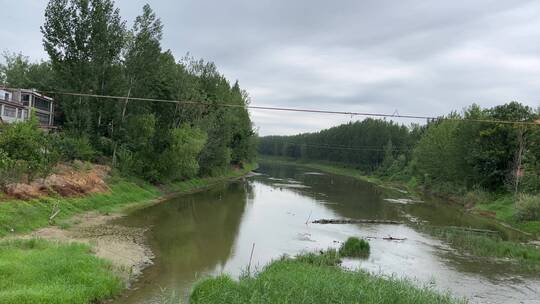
(28, 91)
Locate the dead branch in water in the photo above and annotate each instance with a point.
(357, 221)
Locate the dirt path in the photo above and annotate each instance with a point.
(123, 246)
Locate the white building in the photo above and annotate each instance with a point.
(16, 104)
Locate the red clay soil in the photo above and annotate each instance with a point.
(66, 181)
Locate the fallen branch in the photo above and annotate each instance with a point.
(350, 221)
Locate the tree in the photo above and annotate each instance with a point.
(84, 39)
(19, 72)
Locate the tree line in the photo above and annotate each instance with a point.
(456, 153)
(92, 51)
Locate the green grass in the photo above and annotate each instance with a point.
(354, 247)
(18, 216)
(504, 209)
(309, 279)
(37, 271)
(486, 246)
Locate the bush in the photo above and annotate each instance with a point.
(354, 247)
(528, 207)
(11, 171)
(25, 146)
(73, 147)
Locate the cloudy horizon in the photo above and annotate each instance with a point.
(413, 57)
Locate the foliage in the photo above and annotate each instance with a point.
(73, 147)
(25, 148)
(528, 207)
(37, 271)
(303, 281)
(366, 144)
(19, 72)
(179, 160)
(462, 155)
(354, 247)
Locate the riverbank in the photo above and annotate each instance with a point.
(313, 278)
(491, 205)
(118, 253)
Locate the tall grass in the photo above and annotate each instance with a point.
(354, 247)
(38, 271)
(487, 246)
(309, 279)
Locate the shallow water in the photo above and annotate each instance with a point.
(213, 232)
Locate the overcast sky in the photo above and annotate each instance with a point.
(413, 57)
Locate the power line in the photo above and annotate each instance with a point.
(342, 147)
(286, 109)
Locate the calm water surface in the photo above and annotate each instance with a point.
(212, 232)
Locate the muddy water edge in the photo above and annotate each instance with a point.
(213, 232)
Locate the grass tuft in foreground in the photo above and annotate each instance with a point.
(310, 279)
(354, 247)
(38, 271)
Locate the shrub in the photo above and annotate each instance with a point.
(73, 147)
(528, 207)
(27, 146)
(10, 170)
(354, 247)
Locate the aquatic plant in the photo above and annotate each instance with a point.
(354, 247)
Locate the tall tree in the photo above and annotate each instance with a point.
(84, 39)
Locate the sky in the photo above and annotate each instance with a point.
(409, 57)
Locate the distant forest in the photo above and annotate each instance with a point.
(454, 152)
(92, 51)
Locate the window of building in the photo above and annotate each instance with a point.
(43, 118)
(42, 104)
(19, 114)
(6, 96)
(25, 99)
(10, 111)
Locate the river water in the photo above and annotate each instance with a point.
(213, 232)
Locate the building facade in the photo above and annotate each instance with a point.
(17, 104)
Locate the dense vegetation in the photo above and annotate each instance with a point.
(312, 279)
(36, 271)
(459, 155)
(91, 51)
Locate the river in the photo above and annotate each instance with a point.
(213, 232)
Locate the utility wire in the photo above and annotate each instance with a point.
(339, 147)
(365, 114)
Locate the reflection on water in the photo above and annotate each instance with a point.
(213, 232)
